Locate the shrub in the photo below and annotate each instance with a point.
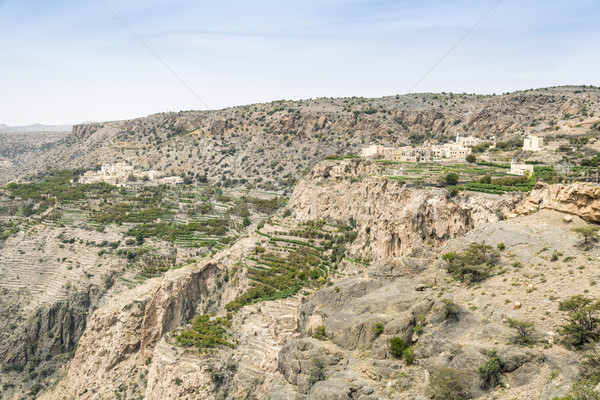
(474, 265)
(491, 372)
(409, 355)
(589, 233)
(378, 329)
(471, 158)
(449, 384)
(501, 246)
(451, 178)
(320, 332)
(397, 347)
(582, 322)
(525, 331)
(450, 310)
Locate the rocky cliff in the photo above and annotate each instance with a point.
(580, 199)
(391, 219)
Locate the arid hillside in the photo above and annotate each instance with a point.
(269, 146)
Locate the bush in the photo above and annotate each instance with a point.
(471, 158)
(450, 310)
(491, 372)
(451, 178)
(474, 265)
(397, 347)
(320, 332)
(378, 329)
(525, 331)
(449, 384)
(589, 233)
(582, 322)
(501, 246)
(409, 355)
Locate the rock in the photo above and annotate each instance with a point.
(580, 199)
(568, 218)
(420, 287)
(516, 305)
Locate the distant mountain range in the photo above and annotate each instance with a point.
(35, 128)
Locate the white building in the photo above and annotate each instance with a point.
(518, 168)
(533, 143)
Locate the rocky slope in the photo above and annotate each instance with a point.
(579, 199)
(392, 219)
(127, 350)
(269, 146)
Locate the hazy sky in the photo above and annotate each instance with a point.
(67, 61)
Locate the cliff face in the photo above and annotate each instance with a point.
(581, 199)
(117, 349)
(391, 220)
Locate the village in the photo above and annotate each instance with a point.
(456, 151)
(125, 174)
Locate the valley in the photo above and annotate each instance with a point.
(252, 252)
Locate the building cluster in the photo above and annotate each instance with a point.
(457, 150)
(124, 173)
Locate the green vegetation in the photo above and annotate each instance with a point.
(583, 321)
(320, 333)
(58, 184)
(7, 229)
(490, 373)
(525, 331)
(451, 178)
(397, 347)
(589, 377)
(304, 261)
(170, 230)
(377, 329)
(206, 332)
(474, 265)
(449, 384)
(276, 277)
(450, 310)
(589, 233)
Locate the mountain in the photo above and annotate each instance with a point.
(286, 267)
(35, 128)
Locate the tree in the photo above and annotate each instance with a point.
(589, 233)
(471, 158)
(474, 265)
(449, 384)
(451, 178)
(582, 322)
(524, 331)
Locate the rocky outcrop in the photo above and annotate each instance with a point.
(120, 341)
(581, 199)
(391, 219)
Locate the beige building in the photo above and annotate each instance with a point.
(468, 141)
(518, 168)
(533, 143)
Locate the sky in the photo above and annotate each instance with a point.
(68, 61)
